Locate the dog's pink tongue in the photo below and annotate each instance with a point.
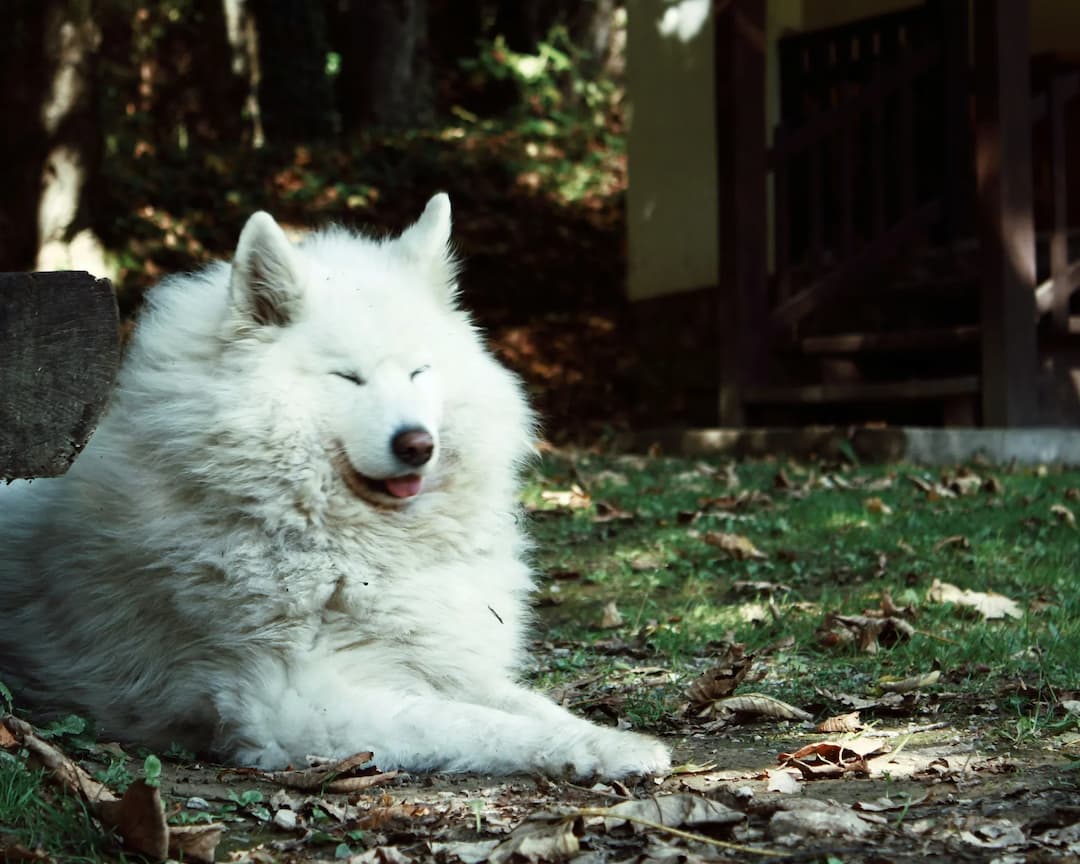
(404, 487)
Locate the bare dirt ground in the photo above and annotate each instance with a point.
(936, 795)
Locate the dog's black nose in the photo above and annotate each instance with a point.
(413, 446)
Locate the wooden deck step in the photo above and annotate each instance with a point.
(900, 340)
(883, 391)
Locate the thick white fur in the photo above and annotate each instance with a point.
(205, 576)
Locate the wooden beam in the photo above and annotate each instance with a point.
(873, 255)
(1006, 229)
(879, 391)
(924, 339)
(742, 319)
(59, 352)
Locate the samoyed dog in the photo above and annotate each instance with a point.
(295, 531)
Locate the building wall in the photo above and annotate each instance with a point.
(671, 201)
(672, 197)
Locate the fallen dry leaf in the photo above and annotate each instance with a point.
(138, 818)
(673, 811)
(611, 617)
(721, 680)
(833, 758)
(541, 837)
(760, 705)
(868, 632)
(957, 541)
(988, 604)
(907, 685)
(849, 722)
(800, 818)
(1064, 515)
(736, 545)
(607, 512)
(574, 498)
(882, 805)
(345, 775)
(784, 782)
(876, 505)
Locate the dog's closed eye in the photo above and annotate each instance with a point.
(419, 371)
(352, 378)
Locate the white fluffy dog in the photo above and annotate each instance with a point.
(294, 531)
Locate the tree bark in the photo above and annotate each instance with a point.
(295, 96)
(386, 77)
(66, 239)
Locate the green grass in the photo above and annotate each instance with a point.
(35, 814)
(833, 552)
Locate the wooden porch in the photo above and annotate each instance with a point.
(890, 255)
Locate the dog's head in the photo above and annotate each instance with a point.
(364, 340)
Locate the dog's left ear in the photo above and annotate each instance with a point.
(266, 284)
(428, 242)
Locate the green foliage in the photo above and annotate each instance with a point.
(36, 815)
(7, 701)
(828, 548)
(152, 770)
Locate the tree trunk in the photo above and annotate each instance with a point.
(241, 32)
(22, 139)
(386, 77)
(50, 137)
(295, 96)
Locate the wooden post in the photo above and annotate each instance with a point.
(952, 19)
(1006, 231)
(59, 352)
(742, 326)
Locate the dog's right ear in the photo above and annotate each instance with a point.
(266, 283)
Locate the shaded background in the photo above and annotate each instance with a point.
(138, 137)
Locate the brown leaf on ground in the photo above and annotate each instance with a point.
(907, 685)
(736, 545)
(672, 811)
(7, 740)
(574, 498)
(988, 604)
(608, 512)
(541, 837)
(722, 679)
(869, 633)
(611, 616)
(345, 775)
(876, 505)
(832, 758)
(957, 541)
(890, 610)
(784, 782)
(138, 818)
(18, 852)
(759, 705)
(803, 818)
(1064, 515)
(849, 722)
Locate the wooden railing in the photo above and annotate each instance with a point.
(858, 212)
(1053, 295)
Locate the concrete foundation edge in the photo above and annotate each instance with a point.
(921, 445)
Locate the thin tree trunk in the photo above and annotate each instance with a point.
(66, 240)
(386, 77)
(295, 96)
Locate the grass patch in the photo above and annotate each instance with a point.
(35, 814)
(643, 533)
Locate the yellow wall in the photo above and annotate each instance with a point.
(672, 198)
(671, 201)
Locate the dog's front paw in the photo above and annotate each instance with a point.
(626, 754)
(612, 755)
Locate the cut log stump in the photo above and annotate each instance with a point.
(59, 352)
